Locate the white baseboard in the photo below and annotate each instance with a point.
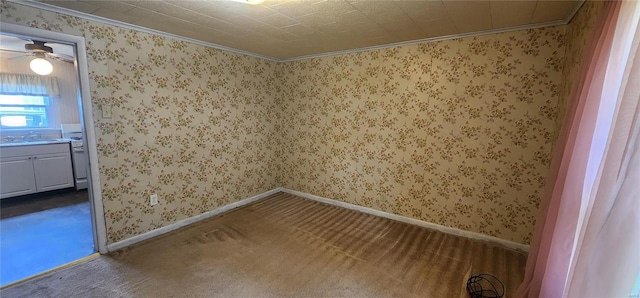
(413, 221)
(179, 224)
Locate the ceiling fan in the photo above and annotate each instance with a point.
(38, 49)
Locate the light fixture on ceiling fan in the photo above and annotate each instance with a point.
(39, 65)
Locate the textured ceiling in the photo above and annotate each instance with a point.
(289, 29)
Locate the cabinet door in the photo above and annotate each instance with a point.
(16, 176)
(53, 171)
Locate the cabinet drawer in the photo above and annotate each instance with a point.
(15, 151)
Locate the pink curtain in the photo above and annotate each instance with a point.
(606, 262)
(566, 226)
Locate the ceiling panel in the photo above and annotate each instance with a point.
(433, 12)
(285, 29)
(76, 6)
(438, 27)
(511, 13)
(547, 11)
(278, 20)
(114, 6)
(469, 16)
(110, 14)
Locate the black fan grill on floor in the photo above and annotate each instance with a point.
(484, 286)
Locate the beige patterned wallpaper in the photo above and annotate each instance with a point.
(456, 132)
(190, 123)
(578, 33)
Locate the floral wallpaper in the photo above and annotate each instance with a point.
(456, 132)
(190, 123)
(578, 34)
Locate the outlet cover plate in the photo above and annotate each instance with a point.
(106, 112)
(153, 199)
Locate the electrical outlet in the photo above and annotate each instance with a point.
(153, 199)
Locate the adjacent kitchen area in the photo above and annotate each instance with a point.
(45, 217)
(31, 164)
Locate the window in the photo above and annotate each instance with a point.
(22, 111)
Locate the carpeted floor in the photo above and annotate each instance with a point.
(286, 246)
(39, 234)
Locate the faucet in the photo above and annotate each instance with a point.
(33, 136)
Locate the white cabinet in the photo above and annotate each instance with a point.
(35, 168)
(17, 176)
(53, 171)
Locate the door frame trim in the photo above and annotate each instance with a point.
(86, 118)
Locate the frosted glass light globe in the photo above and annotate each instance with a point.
(41, 66)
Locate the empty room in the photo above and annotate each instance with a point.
(325, 148)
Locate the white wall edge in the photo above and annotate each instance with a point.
(412, 221)
(185, 222)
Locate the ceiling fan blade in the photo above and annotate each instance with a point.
(13, 51)
(61, 57)
(18, 57)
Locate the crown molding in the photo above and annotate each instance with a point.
(426, 40)
(49, 7)
(90, 17)
(575, 11)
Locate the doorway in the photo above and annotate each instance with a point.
(51, 210)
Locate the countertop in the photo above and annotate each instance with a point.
(32, 143)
